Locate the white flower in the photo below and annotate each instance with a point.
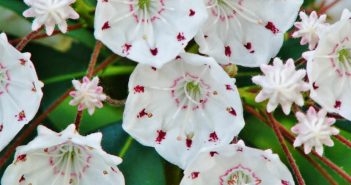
(313, 130)
(87, 95)
(236, 164)
(50, 13)
(64, 158)
(188, 104)
(309, 28)
(329, 68)
(246, 32)
(281, 84)
(20, 91)
(152, 32)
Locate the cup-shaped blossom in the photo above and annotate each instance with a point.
(246, 32)
(20, 91)
(309, 28)
(188, 104)
(329, 68)
(64, 158)
(281, 84)
(50, 13)
(236, 164)
(87, 94)
(148, 31)
(314, 130)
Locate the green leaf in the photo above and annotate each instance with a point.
(16, 5)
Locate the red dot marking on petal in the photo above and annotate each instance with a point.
(154, 68)
(248, 46)
(161, 135)
(22, 61)
(139, 89)
(240, 149)
(228, 87)
(315, 86)
(270, 26)
(1, 127)
(337, 104)
(34, 89)
(154, 51)
(22, 179)
(180, 37)
(188, 142)
(191, 12)
(105, 1)
(213, 137)
(114, 170)
(195, 175)
(143, 113)
(284, 182)
(213, 153)
(231, 111)
(106, 26)
(22, 158)
(227, 51)
(126, 48)
(21, 116)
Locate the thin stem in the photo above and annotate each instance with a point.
(90, 72)
(281, 140)
(44, 35)
(25, 40)
(290, 138)
(114, 102)
(343, 140)
(324, 9)
(33, 125)
(125, 147)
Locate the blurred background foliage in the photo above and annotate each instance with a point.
(61, 58)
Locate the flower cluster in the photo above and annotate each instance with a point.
(184, 104)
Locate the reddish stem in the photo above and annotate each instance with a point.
(25, 40)
(324, 9)
(291, 138)
(281, 140)
(343, 140)
(44, 35)
(33, 125)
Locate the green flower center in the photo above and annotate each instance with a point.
(144, 4)
(193, 89)
(238, 178)
(344, 55)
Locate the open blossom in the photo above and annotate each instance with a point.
(329, 68)
(188, 104)
(87, 95)
(246, 32)
(20, 92)
(50, 13)
(309, 28)
(314, 130)
(281, 84)
(64, 158)
(236, 164)
(152, 32)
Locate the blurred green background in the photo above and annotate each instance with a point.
(61, 58)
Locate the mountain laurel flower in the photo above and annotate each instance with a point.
(334, 12)
(87, 95)
(188, 104)
(20, 91)
(50, 13)
(329, 68)
(313, 130)
(246, 32)
(148, 31)
(62, 159)
(236, 164)
(281, 84)
(309, 29)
